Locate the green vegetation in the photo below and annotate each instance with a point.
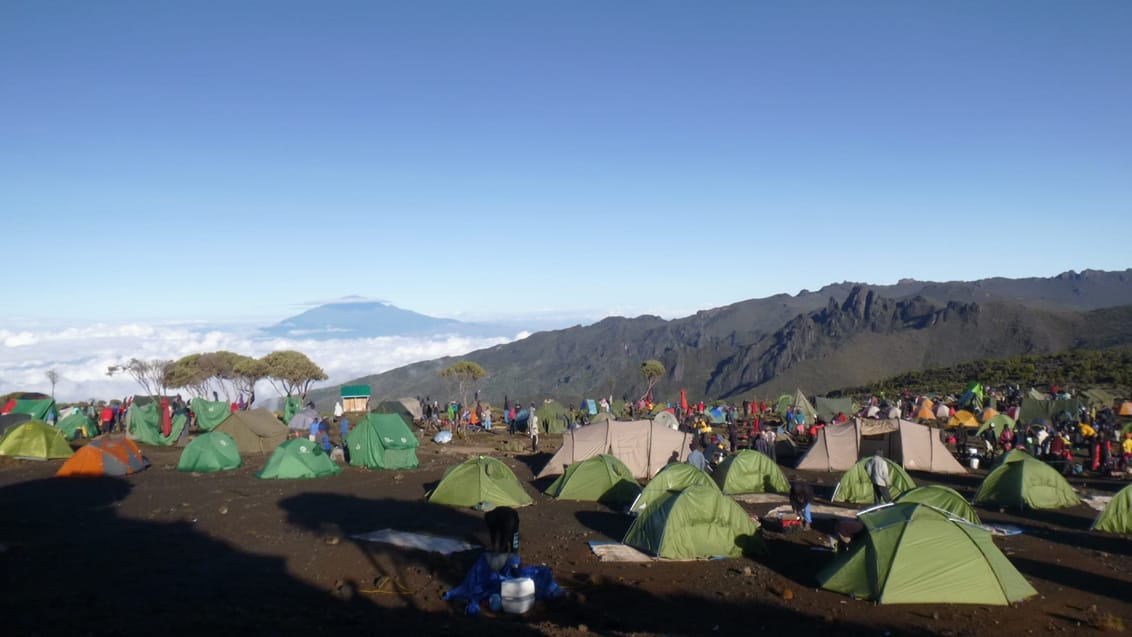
(652, 370)
(1079, 369)
(464, 374)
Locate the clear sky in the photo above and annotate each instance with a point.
(228, 160)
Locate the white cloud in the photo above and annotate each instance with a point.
(81, 355)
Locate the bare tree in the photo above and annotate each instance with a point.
(53, 378)
(149, 374)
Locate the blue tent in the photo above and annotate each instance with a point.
(589, 405)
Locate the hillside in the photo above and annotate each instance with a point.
(843, 335)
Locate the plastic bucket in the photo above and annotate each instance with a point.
(973, 462)
(517, 595)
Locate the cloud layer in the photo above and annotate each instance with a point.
(81, 355)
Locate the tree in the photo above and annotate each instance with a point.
(292, 373)
(53, 378)
(186, 373)
(464, 374)
(248, 371)
(652, 370)
(149, 374)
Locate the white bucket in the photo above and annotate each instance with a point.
(517, 595)
(973, 462)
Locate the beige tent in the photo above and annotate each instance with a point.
(255, 430)
(667, 419)
(643, 445)
(414, 407)
(803, 405)
(915, 447)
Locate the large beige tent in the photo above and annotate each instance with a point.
(914, 447)
(643, 445)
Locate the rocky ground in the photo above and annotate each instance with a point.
(164, 552)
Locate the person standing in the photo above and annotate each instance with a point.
(532, 427)
(344, 428)
(877, 468)
(106, 419)
(771, 440)
(697, 458)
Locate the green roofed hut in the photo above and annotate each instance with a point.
(356, 398)
(1021, 480)
(299, 458)
(696, 523)
(602, 478)
(480, 480)
(942, 497)
(35, 440)
(382, 441)
(1117, 514)
(676, 476)
(210, 413)
(855, 487)
(750, 472)
(915, 554)
(210, 452)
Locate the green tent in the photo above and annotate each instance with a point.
(996, 422)
(35, 440)
(213, 451)
(77, 425)
(750, 472)
(675, 476)
(382, 441)
(698, 522)
(480, 479)
(942, 497)
(144, 425)
(36, 408)
(1117, 515)
(1021, 480)
(210, 413)
(291, 406)
(396, 408)
(855, 486)
(553, 417)
(784, 402)
(299, 458)
(601, 478)
(829, 408)
(913, 554)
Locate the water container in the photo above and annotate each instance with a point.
(973, 462)
(518, 595)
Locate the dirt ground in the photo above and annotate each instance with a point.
(164, 552)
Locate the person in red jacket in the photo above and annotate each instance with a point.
(106, 419)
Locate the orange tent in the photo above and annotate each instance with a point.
(964, 418)
(1126, 408)
(104, 457)
(926, 412)
(987, 414)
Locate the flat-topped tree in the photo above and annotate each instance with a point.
(291, 373)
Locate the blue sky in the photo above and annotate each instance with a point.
(233, 160)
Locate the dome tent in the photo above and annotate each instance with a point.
(104, 456)
(212, 451)
(675, 477)
(34, 440)
(77, 425)
(382, 441)
(857, 488)
(299, 458)
(916, 554)
(750, 472)
(698, 522)
(602, 478)
(1117, 514)
(1021, 480)
(480, 479)
(941, 497)
(254, 430)
(553, 417)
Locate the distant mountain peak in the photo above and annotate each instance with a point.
(358, 317)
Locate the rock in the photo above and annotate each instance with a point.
(333, 539)
(223, 510)
(747, 571)
(582, 628)
(935, 616)
(788, 594)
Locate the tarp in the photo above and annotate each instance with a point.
(302, 420)
(413, 406)
(942, 497)
(914, 554)
(209, 452)
(209, 413)
(1022, 480)
(1032, 410)
(382, 441)
(36, 408)
(675, 477)
(643, 445)
(828, 408)
(750, 472)
(144, 425)
(602, 478)
(856, 487)
(104, 456)
(477, 480)
(35, 440)
(299, 458)
(589, 406)
(914, 446)
(254, 430)
(291, 406)
(77, 425)
(698, 522)
(1117, 514)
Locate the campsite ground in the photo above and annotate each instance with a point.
(175, 553)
